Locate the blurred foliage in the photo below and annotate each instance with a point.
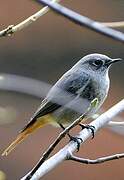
(2, 175)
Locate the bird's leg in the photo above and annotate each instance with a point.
(87, 126)
(72, 138)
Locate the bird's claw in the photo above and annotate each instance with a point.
(77, 140)
(87, 126)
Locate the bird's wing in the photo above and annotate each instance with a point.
(62, 93)
(46, 107)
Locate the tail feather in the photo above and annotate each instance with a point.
(18, 140)
(26, 132)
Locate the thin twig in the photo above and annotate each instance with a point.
(11, 28)
(84, 21)
(71, 147)
(95, 161)
(114, 24)
(115, 123)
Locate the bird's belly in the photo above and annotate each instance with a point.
(70, 112)
(65, 118)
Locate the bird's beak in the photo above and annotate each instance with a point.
(116, 60)
(112, 61)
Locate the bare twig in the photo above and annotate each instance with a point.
(95, 161)
(115, 123)
(71, 147)
(11, 28)
(14, 28)
(114, 24)
(84, 21)
(117, 126)
(23, 84)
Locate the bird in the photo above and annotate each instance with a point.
(71, 96)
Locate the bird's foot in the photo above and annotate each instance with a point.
(87, 126)
(73, 138)
(77, 140)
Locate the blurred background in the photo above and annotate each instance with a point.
(44, 51)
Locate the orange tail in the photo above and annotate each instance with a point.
(26, 132)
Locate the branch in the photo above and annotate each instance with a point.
(115, 123)
(95, 161)
(114, 24)
(84, 21)
(117, 126)
(23, 84)
(72, 146)
(11, 28)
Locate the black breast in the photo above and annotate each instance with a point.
(73, 82)
(90, 91)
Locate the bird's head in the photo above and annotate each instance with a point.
(96, 63)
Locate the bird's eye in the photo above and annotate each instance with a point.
(97, 63)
